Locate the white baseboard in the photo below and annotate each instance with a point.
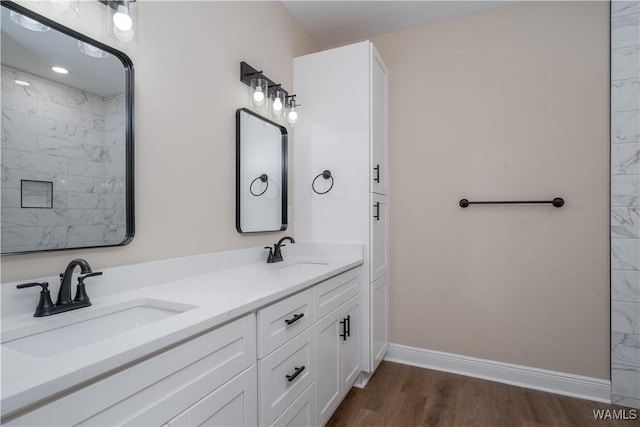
(523, 376)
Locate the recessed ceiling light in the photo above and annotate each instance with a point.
(22, 83)
(60, 70)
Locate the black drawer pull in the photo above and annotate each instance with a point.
(297, 372)
(294, 319)
(377, 215)
(377, 178)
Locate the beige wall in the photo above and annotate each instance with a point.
(187, 90)
(511, 103)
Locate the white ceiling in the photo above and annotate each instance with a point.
(332, 23)
(36, 52)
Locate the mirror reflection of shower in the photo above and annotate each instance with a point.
(65, 110)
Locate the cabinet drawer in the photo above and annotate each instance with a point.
(284, 375)
(233, 404)
(283, 320)
(155, 390)
(301, 412)
(334, 292)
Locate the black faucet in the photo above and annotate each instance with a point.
(276, 254)
(65, 303)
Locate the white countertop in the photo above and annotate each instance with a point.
(218, 296)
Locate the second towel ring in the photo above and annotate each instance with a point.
(262, 178)
(326, 174)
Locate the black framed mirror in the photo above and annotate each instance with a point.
(67, 138)
(261, 173)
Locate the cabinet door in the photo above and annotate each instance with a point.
(379, 247)
(301, 413)
(328, 375)
(350, 344)
(379, 320)
(233, 404)
(379, 125)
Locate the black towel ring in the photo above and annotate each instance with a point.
(262, 178)
(326, 174)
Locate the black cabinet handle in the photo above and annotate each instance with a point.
(294, 319)
(377, 178)
(297, 372)
(377, 215)
(348, 323)
(344, 335)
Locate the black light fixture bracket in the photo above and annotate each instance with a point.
(247, 73)
(113, 4)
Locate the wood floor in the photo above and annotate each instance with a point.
(401, 395)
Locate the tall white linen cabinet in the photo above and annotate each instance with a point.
(344, 129)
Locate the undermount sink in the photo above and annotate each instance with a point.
(303, 266)
(52, 336)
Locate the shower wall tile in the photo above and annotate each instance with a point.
(625, 190)
(625, 63)
(625, 206)
(625, 94)
(625, 159)
(625, 254)
(625, 127)
(624, 30)
(624, 317)
(16, 140)
(624, 285)
(52, 132)
(19, 217)
(625, 222)
(50, 217)
(625, 349)
(11, 177)
(625, 380)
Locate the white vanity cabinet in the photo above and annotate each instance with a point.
(302, 380)
(196, 380)
(345, 130)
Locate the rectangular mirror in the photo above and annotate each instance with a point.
(67, 138)
(261, 173)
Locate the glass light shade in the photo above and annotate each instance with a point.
(278, 104)
(292, 115)
(123, 20)
(259, 92)
(28, 23)
(91, 50)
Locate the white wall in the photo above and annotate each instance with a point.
(510, 103)
(187, 89)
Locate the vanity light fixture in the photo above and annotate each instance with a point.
(122, 18)
(60, 70)
(28, 23)
(264, 89)
(22, 83)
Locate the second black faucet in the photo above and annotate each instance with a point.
(275, 255)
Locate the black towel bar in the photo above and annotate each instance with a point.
(558, 202)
